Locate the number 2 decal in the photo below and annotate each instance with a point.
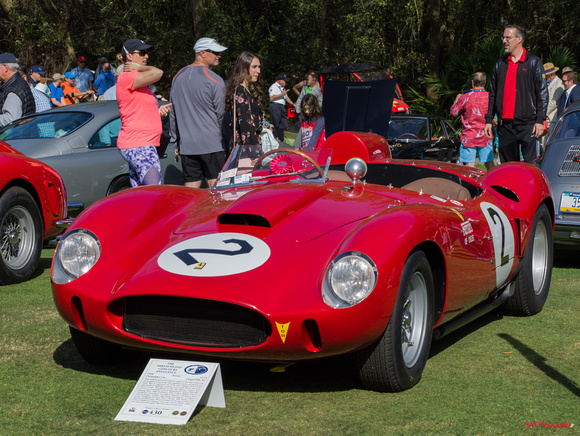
(503, 240)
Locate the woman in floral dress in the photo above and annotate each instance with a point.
(247, 113)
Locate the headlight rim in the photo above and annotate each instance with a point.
(330, 295)
(62, 274)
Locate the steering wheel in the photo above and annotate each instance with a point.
(408, 134)
(291, 151)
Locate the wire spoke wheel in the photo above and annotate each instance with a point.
(21, 233)
(18, 236)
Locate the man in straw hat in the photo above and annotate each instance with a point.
(555, 90)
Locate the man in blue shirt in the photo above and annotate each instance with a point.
(56, 94)
(105, 80)
(83, 76)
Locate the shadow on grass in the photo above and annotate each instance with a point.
(43, 265)
(67, 356)
(566, 259)
(456, 336)
(324, 375)
(539, 362)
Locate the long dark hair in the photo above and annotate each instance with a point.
(240, 74)
(315, 109)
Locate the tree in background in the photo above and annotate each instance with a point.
(426, 44)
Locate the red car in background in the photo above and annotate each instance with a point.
(358, 73)
(32, 200)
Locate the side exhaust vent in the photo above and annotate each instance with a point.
(508, 193)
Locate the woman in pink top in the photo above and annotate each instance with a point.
(140, 114)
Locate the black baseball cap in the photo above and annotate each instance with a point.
(282, 77)
(134, 44)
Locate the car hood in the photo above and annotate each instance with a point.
(227, 244)
(299, 212)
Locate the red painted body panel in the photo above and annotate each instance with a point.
(41, 181)
(308, 225)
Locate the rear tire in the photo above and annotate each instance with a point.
(533, 281)
(119, 184)
(95, 350)
(396, 361)
(21, 234)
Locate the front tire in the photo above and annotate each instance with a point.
(21, 233)
(396, 361)
(533, 281)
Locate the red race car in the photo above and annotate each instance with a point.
(32, 200)
(297, 255)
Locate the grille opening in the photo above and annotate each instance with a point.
(571, 164)
(243, 219)
(194, 322)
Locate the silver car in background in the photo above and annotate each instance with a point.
(561, 163)
(80, 142)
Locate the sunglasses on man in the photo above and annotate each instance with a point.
(141, 53)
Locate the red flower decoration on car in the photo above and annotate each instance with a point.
(281, 164)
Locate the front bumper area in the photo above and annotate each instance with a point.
(222, 329)
(567, 235)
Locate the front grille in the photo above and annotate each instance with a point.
(194, 322)
(571, 165)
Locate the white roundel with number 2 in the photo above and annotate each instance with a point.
(503, 240)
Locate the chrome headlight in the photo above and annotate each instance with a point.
(76, 254)
(350, 279)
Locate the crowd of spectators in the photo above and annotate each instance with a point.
(230, 113)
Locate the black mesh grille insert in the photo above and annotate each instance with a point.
(194, 322)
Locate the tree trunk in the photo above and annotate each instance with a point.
(435, 36)
(197, 15)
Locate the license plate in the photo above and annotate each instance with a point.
(570, 202)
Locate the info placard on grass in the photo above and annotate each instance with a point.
(168, 392)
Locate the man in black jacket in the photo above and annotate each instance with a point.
(518, 94)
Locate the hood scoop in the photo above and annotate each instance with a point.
(243, 219)
(276, 203)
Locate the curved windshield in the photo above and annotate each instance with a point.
(44, 125)
(252, 165)
(568, 127)
(408, 128)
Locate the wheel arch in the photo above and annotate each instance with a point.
(29, 187)
(437, 263)
(115, 181)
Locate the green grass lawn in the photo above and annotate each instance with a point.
(492, 377)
